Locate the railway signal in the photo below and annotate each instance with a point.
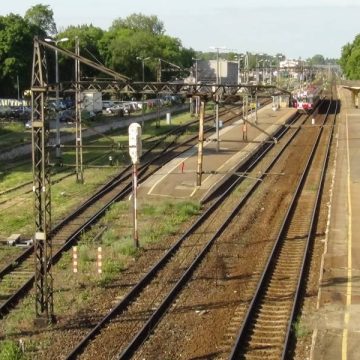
(135, 150)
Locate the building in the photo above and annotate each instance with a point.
(208, 71)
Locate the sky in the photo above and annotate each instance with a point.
(297, 29)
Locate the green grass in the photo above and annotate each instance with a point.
(66, 195)
(10, 350)
(13, 134)
(300, 329)
(117, 243)
(75, 292)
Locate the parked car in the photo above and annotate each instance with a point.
(67, 116)
(28, 124)
(116, 109)
(106, 104)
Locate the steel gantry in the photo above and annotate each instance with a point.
(40, 146)
(41, 188)
(44, 304)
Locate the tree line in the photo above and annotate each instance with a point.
(350, 59)
(129, 44)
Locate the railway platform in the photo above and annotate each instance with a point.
(178, 178)
(336, 321)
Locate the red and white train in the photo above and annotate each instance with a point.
(307, 99)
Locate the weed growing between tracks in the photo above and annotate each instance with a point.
(9, 350)
(17, 216)
(80, 299)
(300, 329)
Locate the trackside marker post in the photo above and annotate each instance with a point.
(99, 260)
(75, 259)
(135, 150)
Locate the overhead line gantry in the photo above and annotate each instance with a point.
(40, 89)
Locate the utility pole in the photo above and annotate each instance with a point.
(200, 144)
(78, 129)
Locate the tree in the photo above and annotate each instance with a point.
(352, 69)
(140, 36)
(16, 47)
(43, 17)
(350, 59)
(140, 22)
(317, 60)
(89, 40)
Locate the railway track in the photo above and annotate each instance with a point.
(133, 318)
(147, 143)
(156, 345)
(17, 277)
(267, 327)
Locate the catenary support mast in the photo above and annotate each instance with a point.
(41, 187)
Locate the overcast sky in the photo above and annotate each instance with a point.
(296, 29)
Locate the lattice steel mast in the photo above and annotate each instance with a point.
(40, 149)
(41, 186)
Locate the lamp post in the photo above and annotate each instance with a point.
(196, 69)
(58, 150)
(218, 81)
(257, 64)
(240, 57)
(143, 65)
(143, 80)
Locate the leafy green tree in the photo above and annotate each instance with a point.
(43, 17)
(139, 22)
(350, 59)
(138, 37)
(89, 40)
(16, 48)
(352, 69)
(317, 60)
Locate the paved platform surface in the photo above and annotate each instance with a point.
(337, 333)
(178, 178)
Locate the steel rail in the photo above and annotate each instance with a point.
(306, 260)
(121, 306)
(108, 186)
(124, 175)
(264, 279)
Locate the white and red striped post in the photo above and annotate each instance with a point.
(75, 259)
(135, 181)
(99, 260)
(182, 166)
(135, 150)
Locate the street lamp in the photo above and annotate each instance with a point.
(257, 64)
(58, 150)
(196, 69)
(239, 58)
(218, 77)
(143, 66)
(218, 80)
(143, 80)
